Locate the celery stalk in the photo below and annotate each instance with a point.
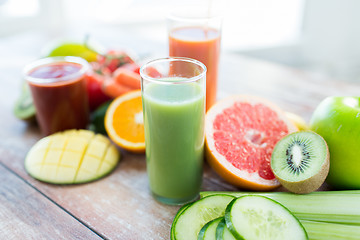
(336, 207)
(333, 231)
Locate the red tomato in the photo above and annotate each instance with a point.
(114, 59)
(95, 93)
(132, 66)
(153, 72)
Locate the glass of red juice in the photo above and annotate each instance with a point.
(58, 88)
(196, 35)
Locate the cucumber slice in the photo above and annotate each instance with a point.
(172, 230)
(222, 232)
(208, 231)
(323, 206)
(187, 226)
(24, 108)
(257, 217)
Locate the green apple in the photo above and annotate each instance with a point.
(337, 120)
(70, 49)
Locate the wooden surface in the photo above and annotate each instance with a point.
(120, 205)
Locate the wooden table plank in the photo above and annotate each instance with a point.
(27, 214)
(120, 206)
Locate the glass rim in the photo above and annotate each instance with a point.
(52, 60)
(176, 17)
(173, 59)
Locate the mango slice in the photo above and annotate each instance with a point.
(72, 156)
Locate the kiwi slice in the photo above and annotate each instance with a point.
(24, 108)
(300, 161)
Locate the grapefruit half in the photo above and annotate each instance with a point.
(241, 132)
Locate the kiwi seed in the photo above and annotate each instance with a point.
(294, 168)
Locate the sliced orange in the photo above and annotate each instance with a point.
(124, 122)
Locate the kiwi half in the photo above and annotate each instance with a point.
(24, 107)
(300, 161)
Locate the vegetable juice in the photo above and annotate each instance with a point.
(60, 97)
(174, 116)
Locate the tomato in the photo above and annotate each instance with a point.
(99, 90)
(114, 59)
(153, 72)
(96, 95)
(132, 66)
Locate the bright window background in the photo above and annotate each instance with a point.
(317, 35)
(247, 24)
(12, 9)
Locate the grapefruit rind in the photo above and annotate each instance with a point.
(220, 164)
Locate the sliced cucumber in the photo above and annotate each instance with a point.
(187, 226)
(257, 217)
(208, 231)
(323, 206)
(24, 108)
(222, 232)
(172, 230)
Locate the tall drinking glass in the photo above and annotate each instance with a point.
(197, 36)
(173, 97)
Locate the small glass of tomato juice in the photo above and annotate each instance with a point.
(197, 36)
(58, 89)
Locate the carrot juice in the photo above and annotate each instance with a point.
(202, 44)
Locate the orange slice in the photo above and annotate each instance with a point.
(124, 122)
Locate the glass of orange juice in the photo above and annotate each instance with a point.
(195, 35)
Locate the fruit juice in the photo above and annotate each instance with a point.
(202, 44)
(60, 96)
(174, 116)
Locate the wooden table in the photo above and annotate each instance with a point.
(120, 206)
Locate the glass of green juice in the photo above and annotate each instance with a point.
(173, 97)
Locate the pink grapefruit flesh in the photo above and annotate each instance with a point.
(241, 132)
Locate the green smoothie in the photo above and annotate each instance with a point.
(174, 118)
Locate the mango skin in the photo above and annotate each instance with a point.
(337, 120)
(73, 156)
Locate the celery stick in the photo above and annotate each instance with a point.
(342, 193)
(336, 207)
(333, 231)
